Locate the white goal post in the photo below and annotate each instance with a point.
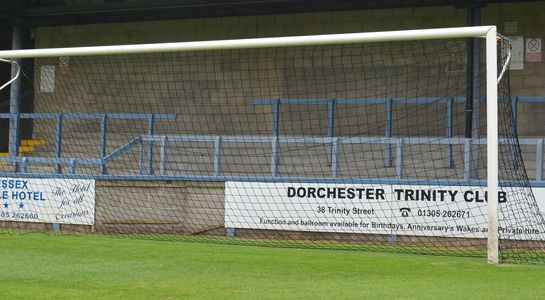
(483, 32)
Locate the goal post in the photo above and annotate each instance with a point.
(218, 132)
(492, 140)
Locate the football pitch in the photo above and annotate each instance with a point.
(38, 266)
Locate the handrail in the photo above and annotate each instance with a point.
(103, 117)
(384, 100)
(274, 141)
(87, 116)
(328, 140)
(388, 102)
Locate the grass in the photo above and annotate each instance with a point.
(37, 266)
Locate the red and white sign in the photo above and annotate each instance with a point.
(533, 49)
(64, 65)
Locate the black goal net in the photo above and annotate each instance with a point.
(378, 146)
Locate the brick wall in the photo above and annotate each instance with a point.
(530, 81)
(530, 17)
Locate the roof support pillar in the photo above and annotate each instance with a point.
(473, 89)
(15, 88)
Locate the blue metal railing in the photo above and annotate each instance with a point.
(275, 142)
(145, 162)
(389, 103)
(59, 118)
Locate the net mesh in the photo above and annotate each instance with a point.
(358, 146)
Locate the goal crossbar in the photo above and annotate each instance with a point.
(292, 41)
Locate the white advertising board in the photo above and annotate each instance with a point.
(62, 201)
(424, 210)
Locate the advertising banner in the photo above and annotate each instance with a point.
(421, 210)
(62, 201)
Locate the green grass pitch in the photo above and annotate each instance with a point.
(37, 266)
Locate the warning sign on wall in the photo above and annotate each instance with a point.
(533, 49)
(64, 65)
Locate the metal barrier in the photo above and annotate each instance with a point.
(275, 140)
(389, 103)
(58, 160)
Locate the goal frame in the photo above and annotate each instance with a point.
(488, 33)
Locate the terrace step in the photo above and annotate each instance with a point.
(25, 146)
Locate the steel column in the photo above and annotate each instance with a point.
(15, 90)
